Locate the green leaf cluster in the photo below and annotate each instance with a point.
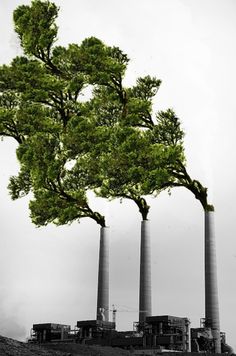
(109, 142)
(36, 27)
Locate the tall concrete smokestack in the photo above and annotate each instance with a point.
(212, 319)
(103, 276)
(145, 298)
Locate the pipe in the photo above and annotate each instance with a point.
(226, 348)
(145, 299)
(212, 319)
(103, 276)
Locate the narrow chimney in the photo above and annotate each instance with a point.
(103, 276)
(145, 299)
(212, 319)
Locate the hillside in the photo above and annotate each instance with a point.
(10, 347)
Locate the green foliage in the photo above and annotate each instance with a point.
(104, 65)
(50, 207)
(20, 185)
(134, 166)
(110, 142)
(36, 27)
(146, 88)
(8, 107)
(168, 130)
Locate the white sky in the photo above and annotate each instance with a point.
(50, 274)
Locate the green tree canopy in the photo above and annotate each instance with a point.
(68, 144)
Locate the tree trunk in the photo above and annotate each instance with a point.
(212, 319)
(145, 299)
(103, 276)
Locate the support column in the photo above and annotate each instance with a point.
(103, 276)
(212, 319)
(145, 298)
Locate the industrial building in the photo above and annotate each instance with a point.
(151, 334)
(163, 333)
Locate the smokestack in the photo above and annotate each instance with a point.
(145, 298)
(103, 276)
(212, 319)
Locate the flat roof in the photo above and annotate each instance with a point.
(94, 323)
(172, 318)
(50, 326)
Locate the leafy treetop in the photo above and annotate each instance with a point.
(110, 143)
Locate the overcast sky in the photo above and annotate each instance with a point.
(50, 274)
